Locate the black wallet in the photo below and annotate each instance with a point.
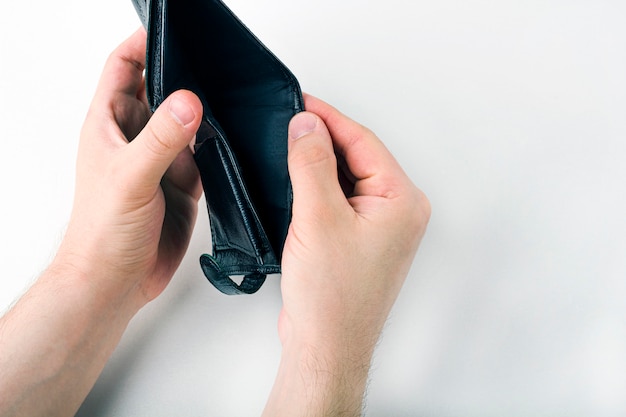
(249, 97)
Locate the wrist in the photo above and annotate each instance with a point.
(90, 276)
(332, 340)
(89, 289)
(320, 376)
(313, 384)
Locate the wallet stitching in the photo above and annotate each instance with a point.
(244, 204)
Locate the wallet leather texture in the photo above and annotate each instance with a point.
(249, 97)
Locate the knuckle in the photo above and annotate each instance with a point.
(425, 208)
(119, 56)
(366, 131)
(159, 141)
(361, 132)
(416, 210)
(312, 154)
(421, 209)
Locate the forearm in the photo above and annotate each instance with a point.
(54, 343)
(325, 382)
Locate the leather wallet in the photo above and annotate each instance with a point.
(249, 97)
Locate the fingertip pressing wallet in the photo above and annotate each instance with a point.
(249, 97)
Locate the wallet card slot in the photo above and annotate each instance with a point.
(233, 220)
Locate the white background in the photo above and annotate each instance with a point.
(510, 115)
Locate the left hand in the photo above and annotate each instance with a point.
(134, 210)
(136, 202)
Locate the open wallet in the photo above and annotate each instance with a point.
(249, 97)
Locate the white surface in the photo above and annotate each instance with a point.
(510, 115)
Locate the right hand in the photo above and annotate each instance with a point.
(346, 256)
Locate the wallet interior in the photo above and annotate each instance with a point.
(249, 96)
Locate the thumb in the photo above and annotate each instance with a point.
(312, 165)
(169, 131)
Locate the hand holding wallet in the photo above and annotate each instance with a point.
(249, 97)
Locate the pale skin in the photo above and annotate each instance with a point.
(348, 251)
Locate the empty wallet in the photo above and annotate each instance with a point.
(249, 97)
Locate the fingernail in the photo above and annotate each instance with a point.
(301, 124)
(181, 111)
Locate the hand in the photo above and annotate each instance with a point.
(135, 203)
(134, 210)
(352, 239)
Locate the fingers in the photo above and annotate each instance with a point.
(373, 167)
(313, 165)
(123, 71)
(167, 134)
